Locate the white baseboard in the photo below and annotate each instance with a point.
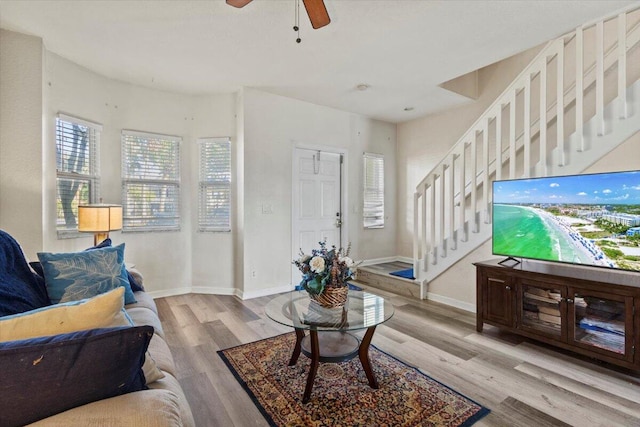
(213, 291)
(405, 259)
(243, 295)
(372, 261)
(169, 292)
(451, 302)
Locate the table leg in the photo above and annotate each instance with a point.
(313, 368)
(296, 349)
(363, 353)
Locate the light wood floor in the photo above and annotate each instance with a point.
(523, 383)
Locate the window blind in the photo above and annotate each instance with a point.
(77, 170)
(214, 201)
(150, 181)
(373, 210)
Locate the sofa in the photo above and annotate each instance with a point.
(83, 339)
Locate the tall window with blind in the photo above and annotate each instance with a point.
(150, 182)
(214, 198)
(77, 170)
(373, 210)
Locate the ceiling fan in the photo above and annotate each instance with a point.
(316, 10)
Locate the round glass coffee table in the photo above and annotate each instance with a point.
(329, 338)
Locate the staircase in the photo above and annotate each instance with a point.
(577, 100)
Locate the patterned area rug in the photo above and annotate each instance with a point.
(341, 394)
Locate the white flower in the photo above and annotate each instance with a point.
(304, 259)
(317, 264)
(347, 261)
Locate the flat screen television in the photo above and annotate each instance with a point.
(590, 219)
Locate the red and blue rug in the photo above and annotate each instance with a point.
(341, 394)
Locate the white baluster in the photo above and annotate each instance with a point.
(527, 128)
(450, 203)
(441, 234)
(485, 171)
(462, 193)
(416, 241)
(580, 88)
(474, 181)
(543, 118)
(600, 76)
(622, 64)
(560, 102)
(499, 143)
(425, 242)
(432, 222)
(512, 136)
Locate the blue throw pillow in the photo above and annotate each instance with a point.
(45, 376)
(135, 287)
(20, 289)
(78, 275)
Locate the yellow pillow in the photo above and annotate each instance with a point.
(101, 311)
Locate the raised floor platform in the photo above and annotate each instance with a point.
(377, 276)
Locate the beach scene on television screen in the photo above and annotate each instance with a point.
(584, 219)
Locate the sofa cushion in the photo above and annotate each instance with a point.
(143, 300)
(48, 375)
(145, 316)
(77, 275)
(149, 408)
(98, 312)
(162, 355)
(20, 289)
(171, 384)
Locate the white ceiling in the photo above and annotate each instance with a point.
(402, 49)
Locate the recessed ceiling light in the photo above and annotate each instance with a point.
(408, 108)
(362, 87)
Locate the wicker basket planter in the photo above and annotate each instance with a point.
(332, 297)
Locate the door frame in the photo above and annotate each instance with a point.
(344, 178)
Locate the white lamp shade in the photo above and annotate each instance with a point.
(99, 218)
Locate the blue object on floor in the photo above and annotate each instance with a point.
(351, 287)
(406, 274)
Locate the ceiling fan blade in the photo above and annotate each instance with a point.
(238, 3)
(317, 12)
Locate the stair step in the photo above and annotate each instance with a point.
(377, 276)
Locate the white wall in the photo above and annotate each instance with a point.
(273, 126)
(212, 253)
(263, 128)
(171, 261)
(21, 139)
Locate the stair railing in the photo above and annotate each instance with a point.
(522, 125)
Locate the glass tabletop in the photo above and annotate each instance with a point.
(362, 310)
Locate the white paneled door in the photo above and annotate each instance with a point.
(317, 212)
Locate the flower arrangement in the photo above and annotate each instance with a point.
(325, 268)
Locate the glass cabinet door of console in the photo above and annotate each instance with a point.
(599, 322)
(541, 309)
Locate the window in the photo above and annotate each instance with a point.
(214, 201)
(373, 210)
(150, 182)
(77, 172)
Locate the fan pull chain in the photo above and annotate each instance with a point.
(296, 26)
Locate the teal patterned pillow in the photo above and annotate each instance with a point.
(79, 275)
